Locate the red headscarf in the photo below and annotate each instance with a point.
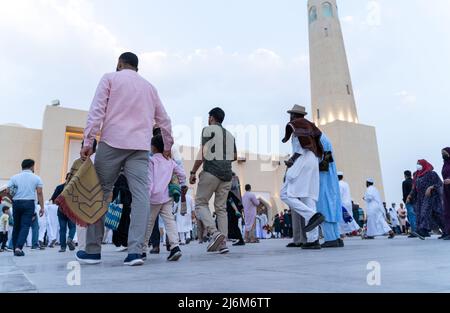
(426, 167)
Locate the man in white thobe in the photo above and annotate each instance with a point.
(346, 199)
(298, 195)
(376, 216)
(258, 226)
(300, 190)
(52, 223)
(394, 219)
(184, 222)
(263, 222)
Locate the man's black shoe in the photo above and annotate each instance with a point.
(331, 244)
(418, 235)
(175, 255)
(314, 222)
(155, 250)
(294, 245)
(312, 246)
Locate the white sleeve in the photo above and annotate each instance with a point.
(369, 196)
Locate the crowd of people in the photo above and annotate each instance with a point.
(140, 170)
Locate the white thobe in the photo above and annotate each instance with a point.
(302, 179)
(346, 198)
(184, 223)
(107, 236)
(52, 222)
(263, 222)
(394, 217)
(259, 234)
(300, 190)
(347, 228)
(376, 221)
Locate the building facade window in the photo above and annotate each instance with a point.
(348, 90)
(326, 32)
(312, 14)
(318, 114)
(327, 9)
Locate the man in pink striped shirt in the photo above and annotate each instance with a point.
(123, 112)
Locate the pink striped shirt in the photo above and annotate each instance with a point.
(124, 111)
(160, 174)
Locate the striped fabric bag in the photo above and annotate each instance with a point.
(114, 214)
(82, 199)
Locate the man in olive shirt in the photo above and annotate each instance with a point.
(218, 152)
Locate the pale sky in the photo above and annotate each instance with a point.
(248, 56)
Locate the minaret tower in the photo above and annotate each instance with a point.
(331, 85)
(333, 101)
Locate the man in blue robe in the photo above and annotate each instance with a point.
(330, 204)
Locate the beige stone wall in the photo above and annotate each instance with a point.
(18, 143)
(356, 154)
(57, 121)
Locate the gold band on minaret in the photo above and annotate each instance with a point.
(333, 100)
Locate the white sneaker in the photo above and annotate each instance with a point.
(223, 249)
(121, 249)
(216, 241)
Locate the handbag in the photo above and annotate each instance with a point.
(175, 189)
(114, 214)
(346, 216)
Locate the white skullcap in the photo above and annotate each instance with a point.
(371, 180)
(340, 173)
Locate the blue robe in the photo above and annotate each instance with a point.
(330, 204)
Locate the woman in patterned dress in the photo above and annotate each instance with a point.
(426, 195)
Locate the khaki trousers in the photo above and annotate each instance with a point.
(201, 230)
(165, 212)
(207, 186)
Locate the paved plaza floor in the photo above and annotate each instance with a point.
(406, 265)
